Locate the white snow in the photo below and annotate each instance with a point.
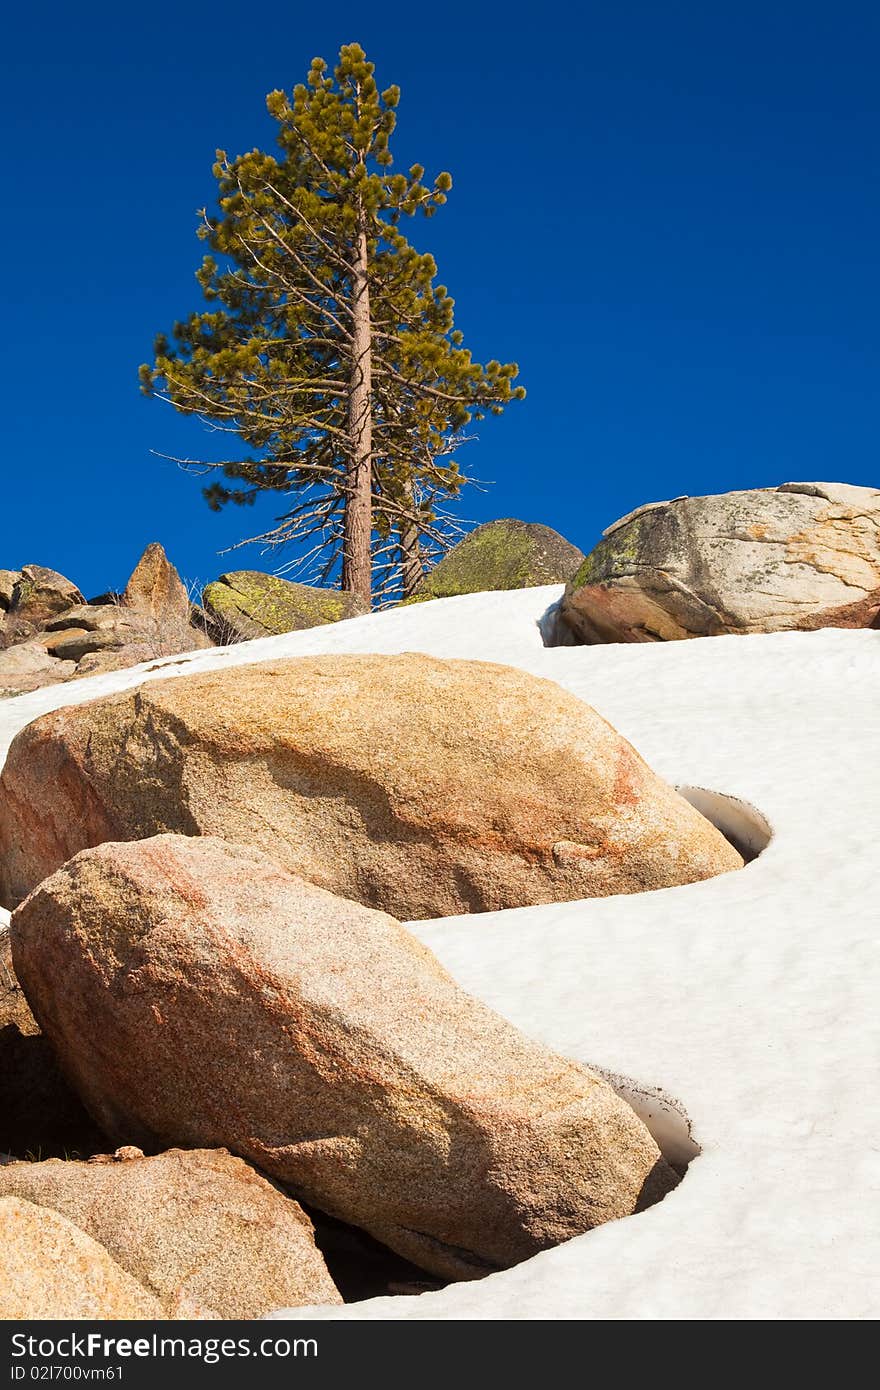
(751, 998)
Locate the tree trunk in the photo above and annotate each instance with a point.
(411, 571)
(357, 528)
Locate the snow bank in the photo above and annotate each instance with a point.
(751, 999)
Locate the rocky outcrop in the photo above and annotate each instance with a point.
(38, 594)
(420, 786)
(199, 1230)
(797, 557)
(156, 590)
(8, 580)
(505, 554)
(50, 1269)
(246, 604)
(53, 635)
(28, 598)
(200, 994)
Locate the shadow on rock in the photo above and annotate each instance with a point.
(40, 1115)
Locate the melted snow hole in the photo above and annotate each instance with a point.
(739, 822)
(664, 1117)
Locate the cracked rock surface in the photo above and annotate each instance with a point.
(798, 557)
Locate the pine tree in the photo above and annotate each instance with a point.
(326, 348)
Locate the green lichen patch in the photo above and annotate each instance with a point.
(246, 604)
(505, 554)
(619, 554)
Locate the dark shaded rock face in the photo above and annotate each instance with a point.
(14, 1010)
(246, 604)
(506, 554)
(798, 557)
(41, 1116)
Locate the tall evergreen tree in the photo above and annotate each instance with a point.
(326, 346)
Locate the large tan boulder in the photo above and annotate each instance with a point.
(420, 786)
(50, 1269)
(200, 1230)
(801, 556)
(199, 994)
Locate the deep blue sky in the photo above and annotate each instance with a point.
(668, 214)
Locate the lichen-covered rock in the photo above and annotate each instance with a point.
(51, 1270)
(505, 554)
(246, 604)
(200, 994)
(421, 786)
(797, 557)
(198, 1229)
